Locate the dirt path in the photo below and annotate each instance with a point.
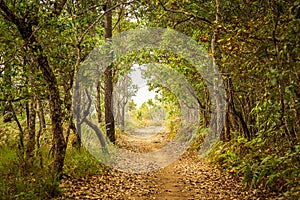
(143, 140)
(186, 178)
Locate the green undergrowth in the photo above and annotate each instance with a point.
(81, 164)
(273, 166)
(35, 182)
(198, 139)
(18, 182)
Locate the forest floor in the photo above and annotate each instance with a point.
(187, 178)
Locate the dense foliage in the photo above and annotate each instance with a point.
(255, 45)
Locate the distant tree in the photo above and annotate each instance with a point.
(123, 91)
(131, 105)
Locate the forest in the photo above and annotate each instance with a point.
(219, 117)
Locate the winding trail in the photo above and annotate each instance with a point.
(186, 178)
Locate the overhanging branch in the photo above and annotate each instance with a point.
(206, 21)
(100, 17)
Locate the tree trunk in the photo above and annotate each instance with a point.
(54, 97)
(7, 115)
(108, 79)
(218, 115)
(29, 157)
(122, 123)
(21, 134)
(98, 102)
(42, 128)
(56, 115)
(31, 134)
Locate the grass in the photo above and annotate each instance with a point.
(37, 183)
(81, 164)
(19, 183)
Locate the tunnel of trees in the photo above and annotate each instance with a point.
(255, 45)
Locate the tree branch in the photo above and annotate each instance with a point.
(186, 13)
(182, 21)
(100, 17)
(119, 19)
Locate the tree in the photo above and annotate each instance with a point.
(123, 91)
(26, 24)
(131, 105)
(108, 77)
(44, 44)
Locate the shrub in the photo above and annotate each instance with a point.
(262, 167)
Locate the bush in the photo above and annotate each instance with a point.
(276, 170)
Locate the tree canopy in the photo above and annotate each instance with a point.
(254, 44)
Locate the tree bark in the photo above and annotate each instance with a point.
(31, 134)
(7, 115)
(55, 113)
(123, 117)
(218, 115)
(108, 79)
(98, 102)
